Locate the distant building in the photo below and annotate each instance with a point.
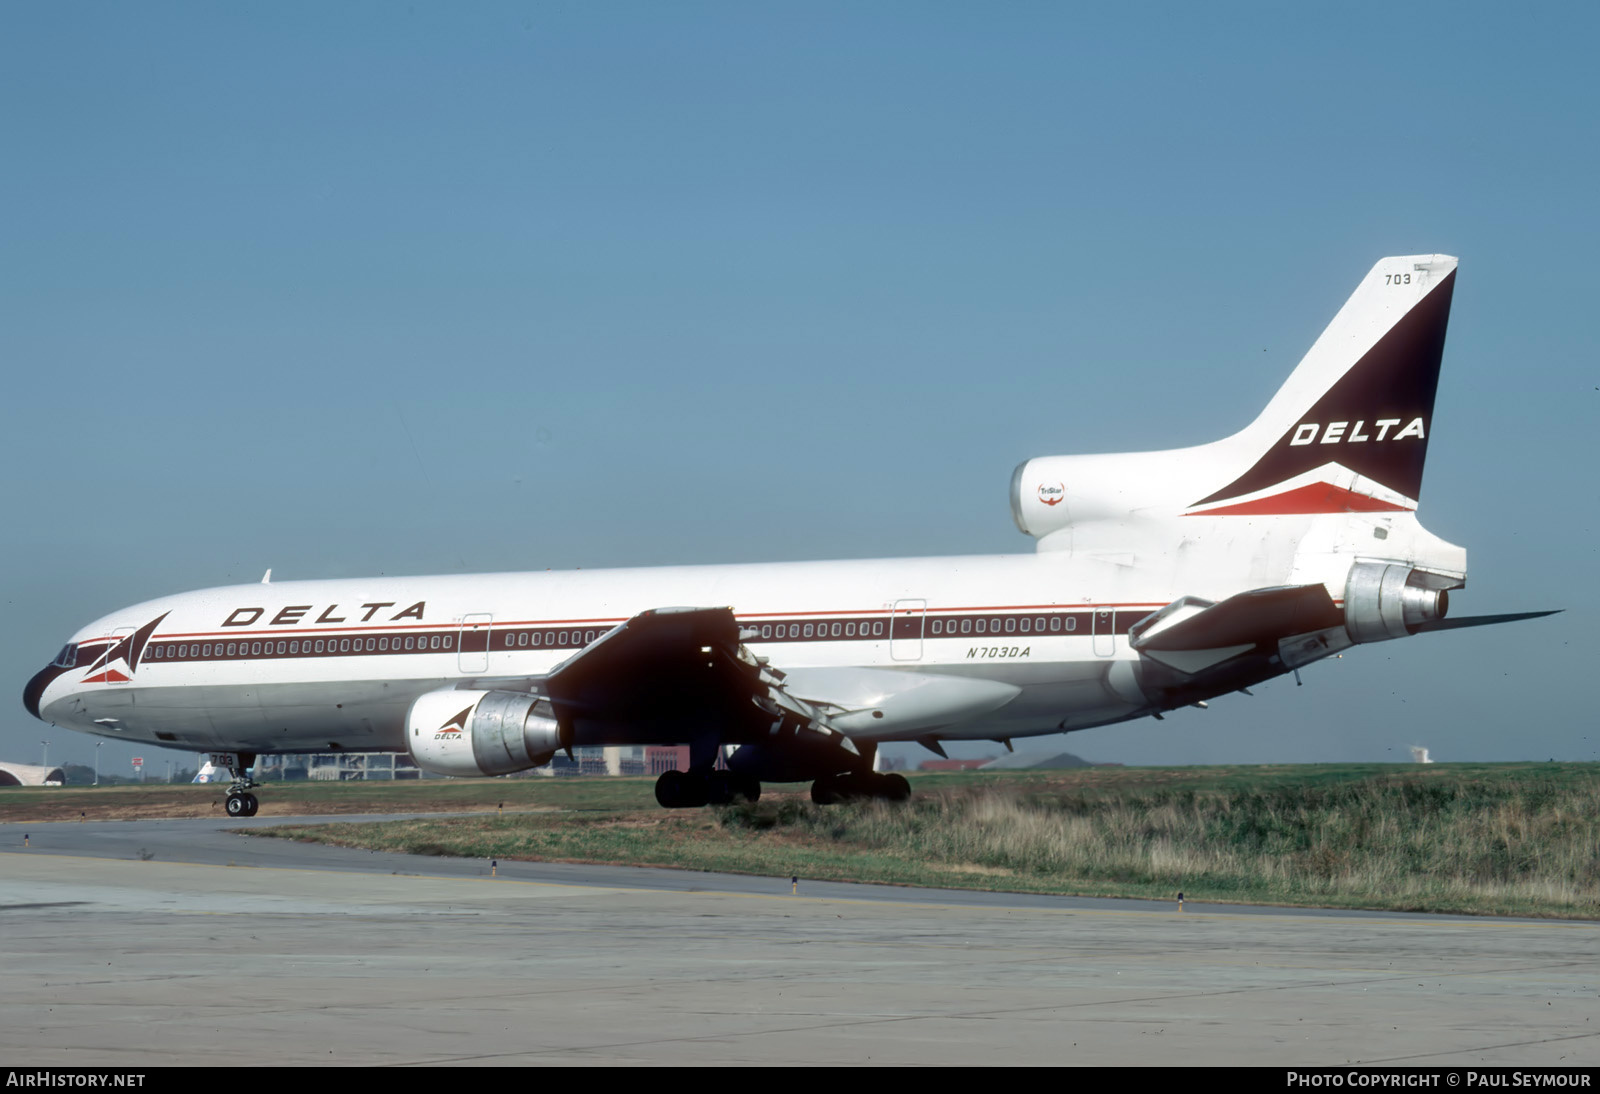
(336, 766)
(622, 760)
(30, 775)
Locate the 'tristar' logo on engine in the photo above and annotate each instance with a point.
(1052, 493)
(451, 730)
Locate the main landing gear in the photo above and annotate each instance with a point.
(680, 790)
(859, 785)
(242, 803)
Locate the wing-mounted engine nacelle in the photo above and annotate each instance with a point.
(1384, 600)
(475, 733)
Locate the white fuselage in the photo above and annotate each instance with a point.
(211, 675)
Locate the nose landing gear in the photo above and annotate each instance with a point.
(241, 803)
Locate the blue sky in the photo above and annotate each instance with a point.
(354, 288)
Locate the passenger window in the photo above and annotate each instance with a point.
(1011, 624)
(981, 624)
(808, 630)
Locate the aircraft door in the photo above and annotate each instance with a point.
(473, 645)
(905, 629)
(116, 676)
(1105, 632)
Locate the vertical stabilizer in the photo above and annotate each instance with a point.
(1349, 429)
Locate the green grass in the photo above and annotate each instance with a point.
(45, 803)
(1477, 838)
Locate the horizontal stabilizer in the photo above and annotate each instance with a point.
(1482, 620)
(1261, 615)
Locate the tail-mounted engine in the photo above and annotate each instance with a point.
(1385, 600)
(475, 733)
(1193, 649)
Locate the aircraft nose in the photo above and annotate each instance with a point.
(35, 689)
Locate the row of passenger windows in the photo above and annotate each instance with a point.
(905, 627)
(910, 626)
(181, 651)
(1012, 625)
(550, 639)
(863, 629)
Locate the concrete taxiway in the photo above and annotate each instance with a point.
(172, 942)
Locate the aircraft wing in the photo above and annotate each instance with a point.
(1483, 620)
(684, 671)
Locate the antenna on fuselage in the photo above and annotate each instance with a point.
(266, 578)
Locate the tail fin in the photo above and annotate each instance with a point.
(1348, 431)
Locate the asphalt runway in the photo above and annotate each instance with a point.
(177, 942)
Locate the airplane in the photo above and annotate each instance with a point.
(1159, 580)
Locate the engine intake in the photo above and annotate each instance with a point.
(1384, 600)
(476, 733)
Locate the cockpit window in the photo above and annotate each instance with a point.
(68, 656)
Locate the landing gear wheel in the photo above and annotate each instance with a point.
(720, 788)
(241, 803)
(676, 790)
(894, 788)
(829, 790)
(855, 786)
(726, 787)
